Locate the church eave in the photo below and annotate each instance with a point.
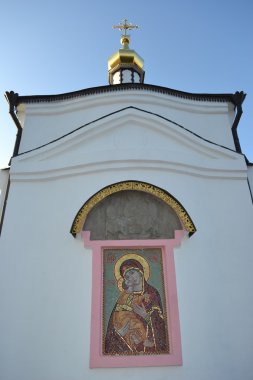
(232, 98)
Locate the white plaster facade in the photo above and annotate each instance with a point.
(47, 121)
(45, 274)
(4, 176)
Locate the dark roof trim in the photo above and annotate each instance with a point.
(238, 100)
(248, 163)
(126, 87)
(12, 99)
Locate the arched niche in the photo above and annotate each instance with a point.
(121, 221)
(132, 210)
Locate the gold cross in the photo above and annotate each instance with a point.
(126, 26)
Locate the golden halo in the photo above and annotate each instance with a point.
(129, 256)
(119, 284)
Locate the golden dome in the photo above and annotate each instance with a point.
(125, 55)
(125, 66)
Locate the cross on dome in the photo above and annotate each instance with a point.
(125, 26)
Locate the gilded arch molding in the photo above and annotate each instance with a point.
(82, 214)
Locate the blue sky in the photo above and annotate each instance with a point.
(53, 47)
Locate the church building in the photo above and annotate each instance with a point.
(126, 234)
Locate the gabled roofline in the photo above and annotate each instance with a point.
(236, 99)
(130, 86)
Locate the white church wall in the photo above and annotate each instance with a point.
(250, 177)
(45, 122)
(46, 293)
(4, 176)
(45, 274)
(121, 141)
(45, 278)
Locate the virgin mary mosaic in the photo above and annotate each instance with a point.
(134, 310)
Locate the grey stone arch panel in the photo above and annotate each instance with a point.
(131, 214)
(132, 210)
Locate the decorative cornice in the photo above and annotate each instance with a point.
(232, 98)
